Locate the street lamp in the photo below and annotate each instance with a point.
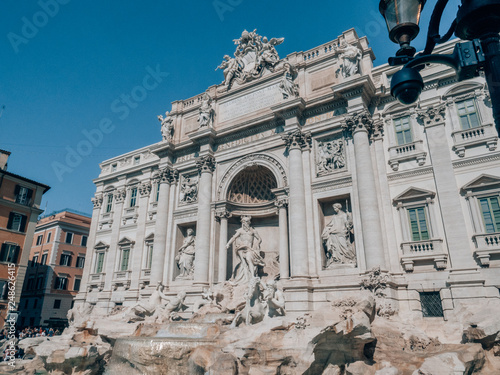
(477, 21)
(402, 18)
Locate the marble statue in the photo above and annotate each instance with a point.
(143, 309)
(288, 87)
(169, 312)
(167, 127)
(255, 306)
(189, 190)
(185, 257)
(79, 314)
(208, 297)
(230, 67)
(337, 238)
(247, 246)
(275, 299)
(350, 56)
(330, 156)
(206, 114)
(253, 55)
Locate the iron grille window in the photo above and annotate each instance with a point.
(431, 304)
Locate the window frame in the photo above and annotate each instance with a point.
(39, 240)
(23, 195)
(19, 219)
(133, 197)
(109, 202)
(83, 240)
(71, 236)
(80, 259)
(58, 285)
(65, 259)
(43, 259)
(9, 252)
(410, 129)
(467, 114)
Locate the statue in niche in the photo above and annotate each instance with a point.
(144, 309)
(185, 258)
(189, 190)
(275, 299)
(167, 127)
(288, 88)
(247, 247)
(350, 55)
(170, 311)
(330, 156)
(337, 238)
(206, 115)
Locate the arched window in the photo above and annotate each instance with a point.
(252, 185)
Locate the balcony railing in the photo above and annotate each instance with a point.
(484, 134)
(486, 246)
(409, 151)
(421, 251)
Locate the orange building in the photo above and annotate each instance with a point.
(20, 200)
(55, 268)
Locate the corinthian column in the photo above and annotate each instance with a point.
(360, 125)
(446, 186)
(144, 193)
(282, 203)
(206, 167)
(164, 178)
(119, 199)
(223, 215)
(297, 141)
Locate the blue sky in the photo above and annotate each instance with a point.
(67, 65)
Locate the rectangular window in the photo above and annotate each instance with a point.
(23, 195)
(113, 167)
(124, 260)
(17, 222)
(99, 262)
(490, 208)
(49, 236)
(31, 283)
(65, 260)
(133, 197)
(4, 289)
(403, 130)
(157, 192)
(43, 261)
(57, 304)
(77, 284)
(69, 237)
(35, 303)
(61, 283)
(80, 262)
(109, 204)
(431, 304)
(26, 302)
(137, 160)
(40, 283)
(149, 261)
(418, 224)
(468, 114)
(9, 253)
(34, 261)
(84, 241)
(39, 240)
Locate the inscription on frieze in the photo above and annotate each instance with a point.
(257, 100)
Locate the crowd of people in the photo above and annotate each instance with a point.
(37, 332)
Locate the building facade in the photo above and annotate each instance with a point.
(333, 178)
(20, 200)
(55, 268)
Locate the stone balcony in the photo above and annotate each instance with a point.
(409, 151)
(121, 278)
(423, 251)
(463, 139)
(486, 246)
(96, 280)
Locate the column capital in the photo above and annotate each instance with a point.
(361, 121)
(119, 195)
(144, 188)
(166, 175)
(297, 140)
(433, 115)
(223, 213)
(205, 164)
(281, 202)
(378, 128)
(97, 200)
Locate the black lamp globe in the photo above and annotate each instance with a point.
(402, 18)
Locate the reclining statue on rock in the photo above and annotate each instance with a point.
(170, 311)
(255, 307)
(142, 309)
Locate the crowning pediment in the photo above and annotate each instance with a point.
(413, 193)
(150, 238)
(481, 182)
(101, 245)
(125, 241)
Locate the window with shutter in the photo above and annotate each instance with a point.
(490, 209)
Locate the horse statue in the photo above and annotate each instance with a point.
(255, 306)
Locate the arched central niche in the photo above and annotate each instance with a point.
(253, 185)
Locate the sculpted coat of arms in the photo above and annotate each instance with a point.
(253, 55)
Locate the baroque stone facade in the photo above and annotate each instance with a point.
(337, 177)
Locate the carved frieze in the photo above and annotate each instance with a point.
(188, 189)
(119, 195)
(433, 115)
(330, 156)
(145, 189)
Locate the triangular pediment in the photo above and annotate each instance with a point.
(150, 238)
(125, 241)
(481, 182)
(101, 245)
(413, 193)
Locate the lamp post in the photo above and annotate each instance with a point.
(477, 22)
